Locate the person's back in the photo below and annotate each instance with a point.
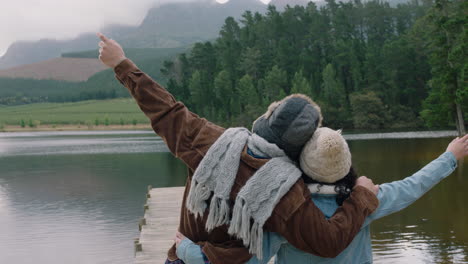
(359, 251)
(326, 161)
(393, 197)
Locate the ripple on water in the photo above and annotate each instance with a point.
(74, 133)
(74, 234)
(416, 247)
(43, 143)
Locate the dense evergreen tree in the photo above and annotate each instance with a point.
(196, 92)
(247, 91)
(448, 46)
(224, 93)
(276, 84)
(333, 100)
(333, 91)
(300, 84)
(365, 63)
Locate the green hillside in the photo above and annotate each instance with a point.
(102, 85)
(112, 112)
(135, 54)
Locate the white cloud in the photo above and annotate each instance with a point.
(63, 19)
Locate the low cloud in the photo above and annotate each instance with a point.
(65, 19)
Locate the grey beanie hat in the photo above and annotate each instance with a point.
(289, 123)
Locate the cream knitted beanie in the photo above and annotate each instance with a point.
(326, 156)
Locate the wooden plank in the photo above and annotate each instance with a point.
(159, 225)
(162, 220)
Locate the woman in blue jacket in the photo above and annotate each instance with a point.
(326, 161)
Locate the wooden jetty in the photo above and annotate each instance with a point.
(159, 224)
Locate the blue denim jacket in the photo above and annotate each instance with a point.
(393, 197)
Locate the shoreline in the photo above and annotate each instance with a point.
(47, 128)
(402, 135)
(369, 135)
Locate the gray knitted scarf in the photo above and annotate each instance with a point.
(255, 201)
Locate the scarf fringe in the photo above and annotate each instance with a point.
(235, 225)
(242, 227)
(196, 202)
(256, 240)
(219, 213)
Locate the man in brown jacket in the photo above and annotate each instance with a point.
(189, 137)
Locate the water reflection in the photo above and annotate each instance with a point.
(75, 197)
(81, 207)
(432, 230)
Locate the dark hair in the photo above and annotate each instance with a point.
(343, 187)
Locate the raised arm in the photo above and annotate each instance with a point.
(397, 195)
(187, 135)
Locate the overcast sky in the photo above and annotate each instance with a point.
(64, 19)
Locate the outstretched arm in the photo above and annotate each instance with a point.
(187, 135)
(397, 195)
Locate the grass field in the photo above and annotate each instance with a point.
(87, 113)
(101, 85)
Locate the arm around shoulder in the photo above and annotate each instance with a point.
(325, 238)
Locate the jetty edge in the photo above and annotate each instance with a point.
(159, 224)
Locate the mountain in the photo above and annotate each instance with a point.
(168, 25)
(181, 24)
(23, 52)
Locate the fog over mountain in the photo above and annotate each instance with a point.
(31, 20)
(165, 25)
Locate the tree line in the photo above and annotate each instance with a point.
(369, 65)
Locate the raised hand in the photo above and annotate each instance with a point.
(367, 183)
(459, 147)
(110, 52)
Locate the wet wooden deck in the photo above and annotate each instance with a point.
(159, 225)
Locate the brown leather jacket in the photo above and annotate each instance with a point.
(295, 217)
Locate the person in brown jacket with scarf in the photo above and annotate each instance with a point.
(189, 138)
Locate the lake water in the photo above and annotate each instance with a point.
(76, 197)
